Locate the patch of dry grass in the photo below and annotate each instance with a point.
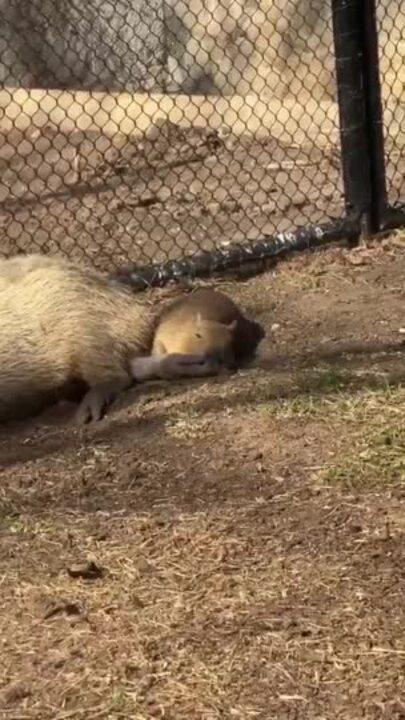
(203, 615)
(249, 533)
(374, 453)
(376, 459)
(372, 423)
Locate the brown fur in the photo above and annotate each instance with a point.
(15, 268)
(207, 322)
(65, 330)
(174, 365)
(60, 324)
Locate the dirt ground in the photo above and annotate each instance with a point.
(232, 548)
(178, 192)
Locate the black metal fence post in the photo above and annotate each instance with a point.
(360, 110)
(374, 114)
(347, 30)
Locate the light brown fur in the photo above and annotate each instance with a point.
(186, 332)
(15, 268)
(66, 331)
(207, 322)
(60, 323)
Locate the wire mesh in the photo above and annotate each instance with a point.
(139, 131)
(391, 27)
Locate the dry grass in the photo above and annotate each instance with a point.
(210, 614)
(229, 549)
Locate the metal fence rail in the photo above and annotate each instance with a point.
(178, 138)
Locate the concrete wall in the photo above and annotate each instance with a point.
(268, 47)
(82, 44)
(275, 48)
(272, 48)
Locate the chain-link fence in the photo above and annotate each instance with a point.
(196, 134)
(391, 40)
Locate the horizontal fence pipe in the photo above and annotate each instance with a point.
(236, 256)
(393, 217)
